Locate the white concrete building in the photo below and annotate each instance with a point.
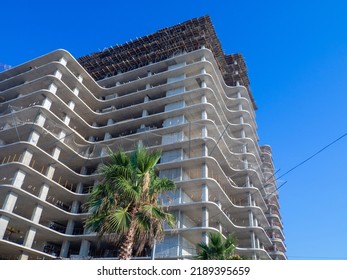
(185, 97)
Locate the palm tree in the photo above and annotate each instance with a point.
(217, 248)
(125, 206)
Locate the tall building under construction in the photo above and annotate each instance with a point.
(174, 90)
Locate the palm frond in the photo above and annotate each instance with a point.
(118, 221)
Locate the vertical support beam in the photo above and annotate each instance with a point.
(61, 136)
(249, 199)
(34, 136)
(247, 181)
(67, 119)
(3, 225)
(253, 239)
(44, 191)
(29, 237)
(47, 103)
(58, 74)
(65, 249)
(76, 91)
(36, 215)
(40, 120)
(204, 171)
(56, 153)
(84, 249)
(26, 157)
(204, 193)
(50, 172)
(18, 179)
(71, 105)
(250, 218)
(53, 88)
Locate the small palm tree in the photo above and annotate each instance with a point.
(124, 207)
(217, 248)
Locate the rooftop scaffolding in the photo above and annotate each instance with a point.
(163, 44)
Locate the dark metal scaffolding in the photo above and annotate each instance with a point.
(163, 44)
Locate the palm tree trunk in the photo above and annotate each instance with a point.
(127, 246)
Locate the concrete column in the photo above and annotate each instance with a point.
(245, 162)
(220, 227)
(53, 88)
(243, 133)
(50, 172)
(76, 91)
(71, 105)
(179, 245)
(144, 113)
(84, 249)
(47, 103)
(34, 137)
(180, 200)
(29, 237)
(64, 251)
(250, 217)
(247, 181)
(204, 237)
(70, 227)
(203, 129)
(18, 179)
(204, 150)
(56, 153)
(40, 120)
(28, 241)
(63, 61)
(110, 122)
(23, 257)
(79, 188)
(203, 132)
(107, 136)
(44, 191)
(204, 171)
(204, 115)
(179, 219)
(3, 225)
(67, 119)
(26, 157)
(58, 74)
(253, 239)
(36, 215)
(62, 135)
(204, 192)
(75, 206)
(249, 199)
(205, 217)
(10, 202)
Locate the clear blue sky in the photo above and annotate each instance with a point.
(296, 53)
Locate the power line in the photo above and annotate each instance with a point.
(312, 156)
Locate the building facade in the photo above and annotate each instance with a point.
(173, 90)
